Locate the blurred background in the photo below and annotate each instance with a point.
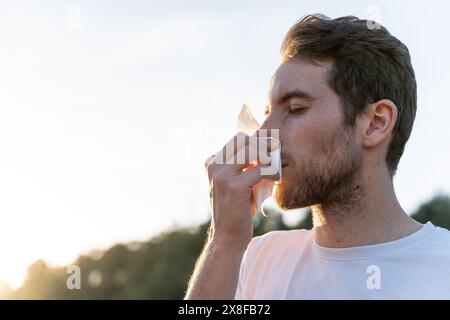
(109, 109)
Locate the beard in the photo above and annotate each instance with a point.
(330, 176)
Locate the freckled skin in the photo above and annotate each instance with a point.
(322, 154)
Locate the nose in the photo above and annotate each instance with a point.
(272, 126)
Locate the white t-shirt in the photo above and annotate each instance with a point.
(291, 265)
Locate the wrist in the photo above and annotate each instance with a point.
(228, 244)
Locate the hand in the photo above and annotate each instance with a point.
(232, 173)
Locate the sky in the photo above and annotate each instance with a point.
(109, 109)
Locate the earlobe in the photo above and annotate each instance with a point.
(380, 118)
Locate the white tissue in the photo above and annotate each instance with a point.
(247, 124)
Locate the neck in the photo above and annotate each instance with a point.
(371, 214)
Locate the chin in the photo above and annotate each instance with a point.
(287, 197)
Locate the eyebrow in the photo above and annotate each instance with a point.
(295, 94)
(292, 94)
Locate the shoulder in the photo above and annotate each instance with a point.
(279, 241)
(432, 246)
(280, 235)
(439, 239)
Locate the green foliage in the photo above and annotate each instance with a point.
(437, 210)
(157, 269)
(160, 268)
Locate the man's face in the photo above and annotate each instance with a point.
(321, 158)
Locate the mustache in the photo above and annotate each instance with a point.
(287, 158)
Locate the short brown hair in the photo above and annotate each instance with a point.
(369, 64)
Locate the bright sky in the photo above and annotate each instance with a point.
(109, 109)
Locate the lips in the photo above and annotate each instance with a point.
(286, 159)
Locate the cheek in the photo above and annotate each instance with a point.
(304, 135)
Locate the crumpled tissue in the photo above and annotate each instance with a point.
(247, 124)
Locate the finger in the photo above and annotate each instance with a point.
(269, 136)
(240, 140)
(266, 147)
(213, 163)
(254, 175)
(232, 147)
(251, 154)
(229, 150)
(242, 151)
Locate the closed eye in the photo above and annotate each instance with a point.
(295, 109)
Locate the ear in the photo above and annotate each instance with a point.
(378, 121)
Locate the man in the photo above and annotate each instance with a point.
(344, 101)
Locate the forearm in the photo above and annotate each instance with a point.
(216, 273)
